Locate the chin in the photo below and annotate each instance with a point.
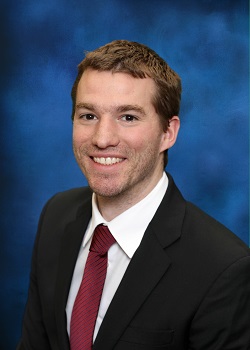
(105, 186)
(106, 191)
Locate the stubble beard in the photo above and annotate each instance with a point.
(132, 184)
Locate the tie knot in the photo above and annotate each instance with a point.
(102, 240)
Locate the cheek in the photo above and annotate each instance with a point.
(79, 137)
(138, 136)
(146, 139)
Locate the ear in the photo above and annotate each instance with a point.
(170, 135)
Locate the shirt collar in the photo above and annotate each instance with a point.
(128, 228)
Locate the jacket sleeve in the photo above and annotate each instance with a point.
(223, 318)
(33, 331)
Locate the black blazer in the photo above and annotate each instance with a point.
(186, 287)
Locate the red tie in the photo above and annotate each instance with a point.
(87, 301)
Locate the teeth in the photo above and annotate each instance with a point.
(107, 161)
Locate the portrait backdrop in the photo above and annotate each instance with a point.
(204, 41)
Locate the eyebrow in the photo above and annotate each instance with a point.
(119, 109)
(82, 105)
(126, 108)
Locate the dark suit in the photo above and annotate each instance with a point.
(186, 287)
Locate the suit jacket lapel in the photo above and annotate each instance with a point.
(140, 278)
(146, 268)
(70, 245)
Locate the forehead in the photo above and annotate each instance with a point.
(119, 84)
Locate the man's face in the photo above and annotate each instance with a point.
(118, 140)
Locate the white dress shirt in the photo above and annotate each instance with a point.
(128, 229)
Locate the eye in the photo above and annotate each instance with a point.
(87, 116)
(128, 118)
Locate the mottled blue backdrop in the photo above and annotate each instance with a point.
(205, 41)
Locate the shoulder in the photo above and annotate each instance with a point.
(201, 236)
(65, 206)
(198, 220)
(75, 196)
(211, 238)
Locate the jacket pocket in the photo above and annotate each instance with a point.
(147, 338)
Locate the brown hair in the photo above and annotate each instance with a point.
(139, 61)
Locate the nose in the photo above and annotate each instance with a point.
(106, 133)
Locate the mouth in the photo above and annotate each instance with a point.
(107, 160)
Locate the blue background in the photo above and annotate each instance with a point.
(206, 42)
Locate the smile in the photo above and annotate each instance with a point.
(107, 161)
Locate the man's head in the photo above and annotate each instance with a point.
(140, 62)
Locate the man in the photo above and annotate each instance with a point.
(176, 278)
